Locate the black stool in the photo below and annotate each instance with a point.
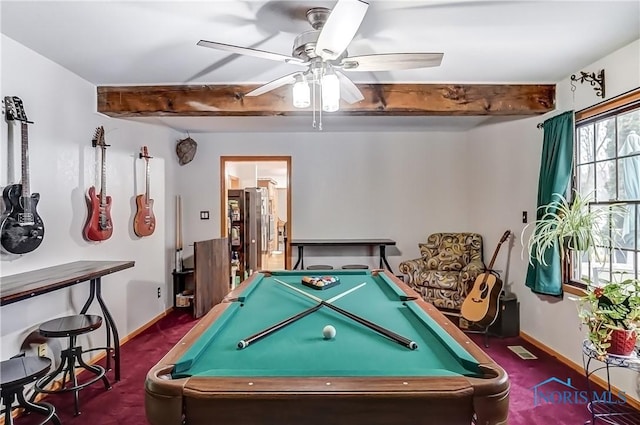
(355, 267)
(72, 327)
(17, 372)
(320, 267)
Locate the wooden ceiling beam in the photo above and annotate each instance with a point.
(379, 99)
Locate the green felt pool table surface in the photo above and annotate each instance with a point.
(359, 376)
(299, 349)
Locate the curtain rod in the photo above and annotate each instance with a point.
(540, 125)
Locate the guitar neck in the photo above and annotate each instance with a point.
(25, 160)
(495, 253)
(147, 180)
(103, 180)
(493, 259)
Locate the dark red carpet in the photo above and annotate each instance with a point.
(124, 403)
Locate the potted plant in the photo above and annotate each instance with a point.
(611, 312)
(571, 225)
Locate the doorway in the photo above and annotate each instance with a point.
(241, 177)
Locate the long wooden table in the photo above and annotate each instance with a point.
(30, 284)
(380, 243)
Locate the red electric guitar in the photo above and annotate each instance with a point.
(144, 222)
(481, 304)
(99, 226)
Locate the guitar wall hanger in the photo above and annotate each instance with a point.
(94, 143)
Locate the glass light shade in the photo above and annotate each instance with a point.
(330, 93)
(301, 94)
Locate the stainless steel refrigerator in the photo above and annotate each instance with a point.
(255, 224)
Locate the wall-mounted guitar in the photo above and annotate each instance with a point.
(481, 304)
(99, 226)
(22, 229)
(144, 222)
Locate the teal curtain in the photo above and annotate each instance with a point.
(555, 174)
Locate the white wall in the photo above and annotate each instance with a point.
(62, 168)
(401, 186)
(505, 158)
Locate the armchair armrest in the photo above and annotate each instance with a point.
(412, 269)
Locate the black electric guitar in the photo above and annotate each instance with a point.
(481, 304)
(21, 228)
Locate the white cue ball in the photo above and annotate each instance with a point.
(329, 332)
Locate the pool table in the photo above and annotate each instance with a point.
(295, 375)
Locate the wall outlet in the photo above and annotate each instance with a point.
(42, 350)
(159, 292)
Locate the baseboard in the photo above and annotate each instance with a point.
(144, 327)
(631, 401)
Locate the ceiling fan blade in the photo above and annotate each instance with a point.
(272, 85)
(251, 52)
(349, 91)
(391, 61)
(341, 26)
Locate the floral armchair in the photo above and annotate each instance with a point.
(447, 269)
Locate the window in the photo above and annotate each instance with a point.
(607, 168)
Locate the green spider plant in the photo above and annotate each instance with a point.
(571, 225)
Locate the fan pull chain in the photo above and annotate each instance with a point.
(320, 109)
(313, 85)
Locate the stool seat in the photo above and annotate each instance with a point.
(17, 372)
(70, 325)
(20, 371)
(355, 267)
(71, 358)
(320, 267)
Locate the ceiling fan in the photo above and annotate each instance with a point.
(323, 53)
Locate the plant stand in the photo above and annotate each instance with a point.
(609, 411)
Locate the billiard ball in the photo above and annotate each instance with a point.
(329, 332)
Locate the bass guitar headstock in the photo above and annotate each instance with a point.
(98, 138)
(14, 109)
(505, 236)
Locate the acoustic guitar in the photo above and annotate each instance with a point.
(21, 228)
(481, 304)
(144, 222)
(99, 226)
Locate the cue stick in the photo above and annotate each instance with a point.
(389, 334)
(257, 336)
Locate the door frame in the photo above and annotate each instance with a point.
(223, 195)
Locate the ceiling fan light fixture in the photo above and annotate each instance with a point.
(330, 92)
(301, 93)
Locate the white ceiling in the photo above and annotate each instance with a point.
(154, 42)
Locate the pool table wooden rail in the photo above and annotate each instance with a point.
(322, 400)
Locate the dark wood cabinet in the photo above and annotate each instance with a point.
(183, 288)
(207, 283)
